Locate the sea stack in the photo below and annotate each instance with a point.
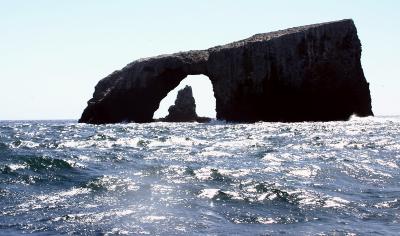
(184, 109)
(307, 73)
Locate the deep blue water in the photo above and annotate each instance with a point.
(334, 178)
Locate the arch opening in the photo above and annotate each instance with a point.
(203, 94)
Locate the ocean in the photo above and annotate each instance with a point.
(217, 178)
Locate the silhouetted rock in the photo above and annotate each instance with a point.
(308, 73)
(184, 108)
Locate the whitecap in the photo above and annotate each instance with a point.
(60, 196)
(116, 231)
(209, 193)
(305, 172)
(266, 220)
(83, 158)
(389, 164)
(233, 195)
(307, 198)
(203, 173)
(173, 141)
(272, 159)
(335, 202)
(129, 142)
(386, 204)
(22, 144)
(112, 183)
(14, 167)
(73, 192)
(153, 218)
(75, 164)
(124, 212)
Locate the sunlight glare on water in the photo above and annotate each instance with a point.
(188, 178)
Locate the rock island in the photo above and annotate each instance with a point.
(306, 73)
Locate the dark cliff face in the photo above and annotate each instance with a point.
(308, 73)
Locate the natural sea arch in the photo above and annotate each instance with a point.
(202, 92)
(307, 73)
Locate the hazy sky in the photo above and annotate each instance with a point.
(52, 53)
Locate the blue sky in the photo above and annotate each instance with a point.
(52, 53)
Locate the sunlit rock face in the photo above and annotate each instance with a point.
(307, 73)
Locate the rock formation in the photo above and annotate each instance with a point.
(184, 108)
(307, 73)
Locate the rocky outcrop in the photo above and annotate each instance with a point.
(184, 109)
(307, 73)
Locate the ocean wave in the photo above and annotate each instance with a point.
(3, 146)
(111, 183)
(211, 174)
(24, 144)
(160, 178)
(274, 194)
(42, 163)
